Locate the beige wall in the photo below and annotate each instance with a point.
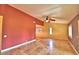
(59, 31)
(0, 30)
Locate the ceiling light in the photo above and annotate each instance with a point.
(47, 20)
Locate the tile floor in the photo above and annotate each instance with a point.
(41, 47)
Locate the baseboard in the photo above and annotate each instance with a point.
(17, 46)
(73, 47)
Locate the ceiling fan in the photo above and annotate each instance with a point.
(48, 19)
(52, 18)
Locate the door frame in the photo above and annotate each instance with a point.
(1, 20)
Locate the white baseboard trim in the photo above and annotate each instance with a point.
(73, 47)
(17, 46)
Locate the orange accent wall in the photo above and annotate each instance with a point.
(17, 25)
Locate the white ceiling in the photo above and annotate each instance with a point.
(66, 12)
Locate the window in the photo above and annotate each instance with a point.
(70, 30)
(50, 30)
(38, 30)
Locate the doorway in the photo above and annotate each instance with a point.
(39, 31)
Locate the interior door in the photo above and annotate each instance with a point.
(1, 18)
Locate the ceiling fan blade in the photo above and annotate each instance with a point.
(48, 19)
(58, 17)
(52, 19)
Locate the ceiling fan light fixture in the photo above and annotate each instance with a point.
(47, 20)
